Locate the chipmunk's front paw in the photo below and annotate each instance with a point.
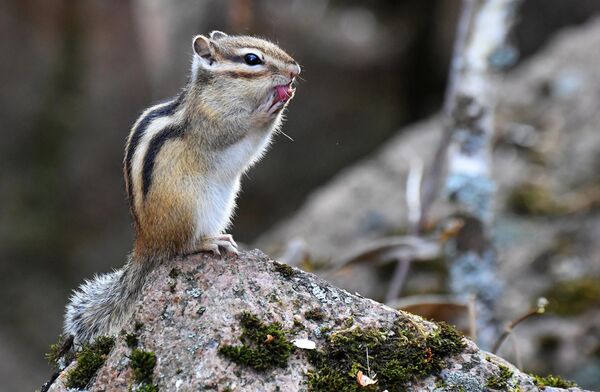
(263, 115)
(213, 243)
(272, 105)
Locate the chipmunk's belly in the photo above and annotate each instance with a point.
(217, 192)
(215, 205)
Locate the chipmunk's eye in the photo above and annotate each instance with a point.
(252, 59)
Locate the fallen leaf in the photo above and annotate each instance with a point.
(363, 380)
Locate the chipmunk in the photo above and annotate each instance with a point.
(182, 168)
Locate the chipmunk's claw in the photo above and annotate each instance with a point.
(213, 243)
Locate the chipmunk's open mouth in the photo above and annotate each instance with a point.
(283, 92)
(279, 96)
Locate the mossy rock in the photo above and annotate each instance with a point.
(89, 359)
(264, 346)
(501, 381)
(552, 381)
(393, 357)
(245, 341)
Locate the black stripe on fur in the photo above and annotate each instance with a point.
(154, 148)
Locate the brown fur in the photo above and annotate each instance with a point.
(166, 215)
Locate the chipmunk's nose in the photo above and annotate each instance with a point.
(294, 70)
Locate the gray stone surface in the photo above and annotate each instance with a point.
(187, 316)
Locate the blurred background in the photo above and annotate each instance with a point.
(76, 74)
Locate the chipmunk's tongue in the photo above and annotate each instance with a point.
(283, 92)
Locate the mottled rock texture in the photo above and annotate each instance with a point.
(191, 309)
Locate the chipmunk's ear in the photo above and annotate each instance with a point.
(203, 49)
(216, 34)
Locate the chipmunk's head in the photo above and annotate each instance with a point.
(241, 74)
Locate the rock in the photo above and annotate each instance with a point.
(186, 335)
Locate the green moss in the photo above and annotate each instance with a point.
(131, 340)
(325, 329)
(142, 365)
(534, 199)
(264, 346)
(552, 381)
(348, 322)
(329, 379)
(315, 314)
(573, 297)
(396, 356)
(89, 359)
(60, 353)
(500, 381)
(53, 355)
(285, 270)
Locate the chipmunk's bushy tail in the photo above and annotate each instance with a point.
(103, 305)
